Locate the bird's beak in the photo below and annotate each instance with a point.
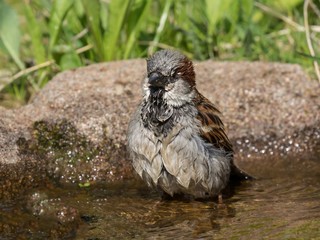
(156, 79)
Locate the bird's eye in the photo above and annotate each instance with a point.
(175, 73)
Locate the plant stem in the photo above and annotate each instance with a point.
(31, 69)
(309, 42)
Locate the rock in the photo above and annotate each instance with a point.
(74, 130)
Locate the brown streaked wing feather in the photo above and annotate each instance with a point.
(212, 129)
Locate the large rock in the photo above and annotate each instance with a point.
(74, 130)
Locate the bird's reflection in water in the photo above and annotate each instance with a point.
(197, 216)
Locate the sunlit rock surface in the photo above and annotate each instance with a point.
(74, 130)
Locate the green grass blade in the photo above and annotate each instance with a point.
(35, 34)
(283, 5)
(215, 11)
(137, 16)
(59, 11)
(92, 10)
(117, 14)
(70, 60)
(163, 19)
(10, 32)
(309, 56)
(104, 16)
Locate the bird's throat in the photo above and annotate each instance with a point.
(156, 93)
(156, 114)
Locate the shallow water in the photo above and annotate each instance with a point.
(284, 203)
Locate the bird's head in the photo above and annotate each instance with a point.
(170, 75)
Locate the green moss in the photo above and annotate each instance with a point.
(62, 140)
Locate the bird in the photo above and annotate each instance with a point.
(176, 138)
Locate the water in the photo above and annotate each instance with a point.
(284, 203)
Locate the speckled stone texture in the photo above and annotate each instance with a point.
(270, 110)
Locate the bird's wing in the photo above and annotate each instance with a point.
(212, 131)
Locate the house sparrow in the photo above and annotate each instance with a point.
(176, 138)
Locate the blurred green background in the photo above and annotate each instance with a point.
(40, 38)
